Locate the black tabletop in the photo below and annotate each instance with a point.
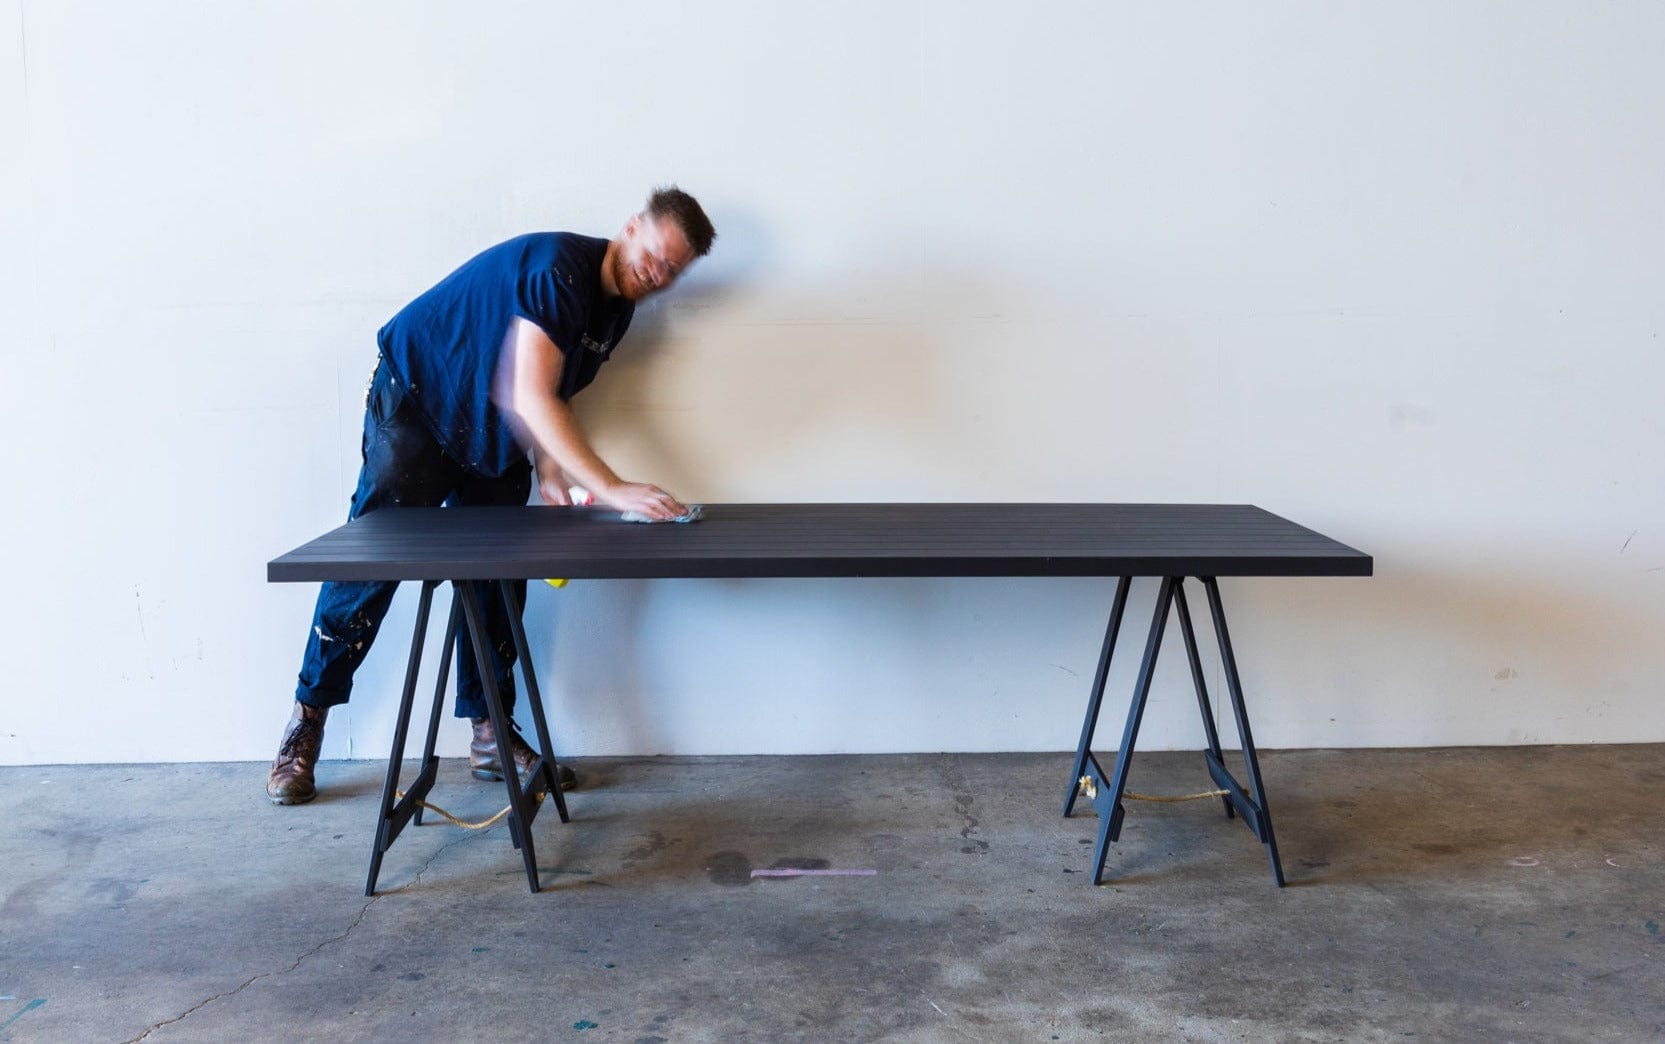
(822, 540)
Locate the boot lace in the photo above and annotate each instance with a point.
(306, 731)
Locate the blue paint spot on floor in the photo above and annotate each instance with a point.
(584, 1024)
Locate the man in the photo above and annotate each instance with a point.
(474, 374)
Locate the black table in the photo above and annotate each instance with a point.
(480, 548)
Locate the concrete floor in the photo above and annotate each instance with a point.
(1474, 894)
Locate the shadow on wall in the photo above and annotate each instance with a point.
(849, 387)
(813, 392)
(607, 623)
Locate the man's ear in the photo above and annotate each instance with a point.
(633, 226)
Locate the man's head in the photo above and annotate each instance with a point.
(659, 243)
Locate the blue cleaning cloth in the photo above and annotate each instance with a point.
(693, 515)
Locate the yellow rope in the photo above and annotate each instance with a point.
(481, 825)
(1178, 797)
(1087, 786)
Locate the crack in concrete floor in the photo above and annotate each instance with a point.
(302, 959)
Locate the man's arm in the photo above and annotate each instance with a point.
(558, 443)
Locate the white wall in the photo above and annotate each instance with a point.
(1392, 270)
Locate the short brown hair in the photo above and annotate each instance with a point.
(670, 201)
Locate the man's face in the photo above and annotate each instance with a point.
(650, 256)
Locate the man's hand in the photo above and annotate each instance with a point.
(644, 498)
(552, 482)
(532, 371)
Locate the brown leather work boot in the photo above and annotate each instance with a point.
(482, 755)
(290, 782)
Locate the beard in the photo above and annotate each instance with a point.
(624, 277)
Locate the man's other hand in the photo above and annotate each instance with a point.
(644, 498)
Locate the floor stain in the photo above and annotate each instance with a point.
(729, 869)
(653, 842)
(953, 776)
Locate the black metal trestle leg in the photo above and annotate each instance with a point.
(547, 768)
(1084, 750)
(393, 816)
(523, 804)
(1088, 777)
(468, 610)
(451, 625)
(1109, 803)
(1256, 812)
(1212, 734)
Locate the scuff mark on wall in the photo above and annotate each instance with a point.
(144, 636)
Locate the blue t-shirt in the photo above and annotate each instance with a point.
(444, 346)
